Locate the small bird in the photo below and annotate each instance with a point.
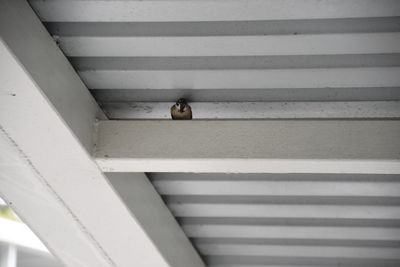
(181, 110)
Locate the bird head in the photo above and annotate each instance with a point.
(181, 104)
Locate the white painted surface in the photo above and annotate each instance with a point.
(277, 188)
(259, 50)
(282, 95)
(258, 210)
(300, 251)
(257, 110)
(249, 146)
(54, 170)
(8, 256)
(248, 165)
(240, 79)
(212, 10)
(233, 50)
(272, 45)
(353, 148)
(224, 28)
(44, 62)
(30, 197)
(297, 219)
(144, 202)
(292, 232)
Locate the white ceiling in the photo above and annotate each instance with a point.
(130, 52)
(252, 52)
(287, 219)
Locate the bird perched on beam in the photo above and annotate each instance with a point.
(181, 110)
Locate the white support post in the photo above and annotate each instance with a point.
(47, 174)
(8, 256)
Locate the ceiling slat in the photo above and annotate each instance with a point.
(212, 10)
(239, 79)
(248, 95)
(225, 28)
(277, 188)
(321, 44)
(292, 232)
(284, 211)
(257, 110)
(300, 251)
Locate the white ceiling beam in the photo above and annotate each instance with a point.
(32, 199)
(257, 110)
(23, 32)
(47, 124)
(242, 78)
(212, 10)
(272, 45)
(143, 200)
(286, 146)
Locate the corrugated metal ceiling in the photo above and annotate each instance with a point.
(287, 219)
(274, 59)
(135, 55)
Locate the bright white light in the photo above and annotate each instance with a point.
(19, 234)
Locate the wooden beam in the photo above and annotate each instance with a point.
(304, 146)
(46, 214)
(37, 53)
(143, 200)
(212, 10)
(47, 174)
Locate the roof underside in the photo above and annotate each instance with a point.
(136, 55)
(258, 59)
(287, 219)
